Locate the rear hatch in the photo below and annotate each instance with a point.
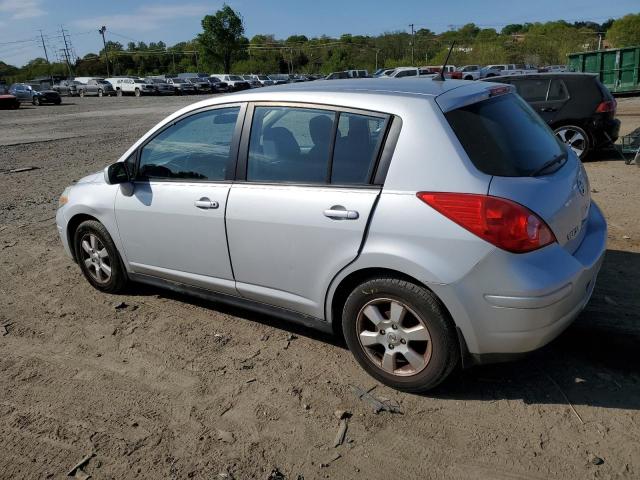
(505, 138)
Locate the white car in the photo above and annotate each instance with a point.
(505, 69)
(235, 82)
(134, 86)
(402, 72)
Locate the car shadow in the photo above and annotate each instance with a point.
(594, 362)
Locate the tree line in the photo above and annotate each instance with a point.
(223, 47)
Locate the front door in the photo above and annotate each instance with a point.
(299, 213)
(172, 225)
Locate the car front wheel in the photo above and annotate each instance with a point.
(98, 257)
(400, 334)
(575, 138)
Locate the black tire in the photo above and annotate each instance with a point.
(468, 77)
(585, 144)
(118, 278)
(445, 352)
(58, 101)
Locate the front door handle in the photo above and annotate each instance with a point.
(548, 109)
(340, 213)
(205, 203)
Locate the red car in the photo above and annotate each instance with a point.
(9, 102)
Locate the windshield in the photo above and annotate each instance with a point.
(179, 80)
(235, 78)
(263, 77)
(36, 87)
(139, 81)
(503, 136)
(103, 82)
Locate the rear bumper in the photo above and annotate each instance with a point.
(605, 132)
(512, 304)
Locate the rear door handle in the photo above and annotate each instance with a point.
(205, 203)
(341, 214)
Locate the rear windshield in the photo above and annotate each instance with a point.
(503, 136)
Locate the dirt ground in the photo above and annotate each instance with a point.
(173, 387)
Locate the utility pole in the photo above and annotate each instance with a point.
(66, 49)
(46, 56)
(412, 42)
(106, 53)
(377, 52)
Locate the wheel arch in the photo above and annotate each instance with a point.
(346, 285)
(72, 225)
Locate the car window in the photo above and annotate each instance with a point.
(290, 145)
(503, 136)
(407, 73)
(557, 91)
(532, 90)
(356, 148)
(197, 147)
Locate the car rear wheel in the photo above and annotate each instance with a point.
(575, 138)
(400, 334)
(98, 257)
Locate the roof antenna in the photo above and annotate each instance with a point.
(440, 78)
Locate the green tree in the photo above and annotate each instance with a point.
(625, 31)
(222, 39)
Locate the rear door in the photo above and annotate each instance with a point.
(298, 210)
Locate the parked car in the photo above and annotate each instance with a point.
(35, 93)
(9, 102)
(436, 69)
(264, 80)
(253, 82)
(280, 78)
(553, 69)
(347, 74)
(161, 86)
(403, 72)
(95, 86)
(133, 86)
(202, 84)
(337, 75)
(579, 109)
(503, 70)
(182, 86)
(447, 224)
(467, 72)
(217, 86)
(66, 87)
(235, 82)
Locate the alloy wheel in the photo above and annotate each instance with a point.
(394, 337)
(574, 139)
(96, 258)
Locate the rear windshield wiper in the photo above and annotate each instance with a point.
(557, 159)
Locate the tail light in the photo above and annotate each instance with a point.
(501, 222)
(606, 107)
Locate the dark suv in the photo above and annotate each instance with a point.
(579, 109)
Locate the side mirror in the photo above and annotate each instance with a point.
(117, 173)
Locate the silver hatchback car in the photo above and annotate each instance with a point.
(432, 223)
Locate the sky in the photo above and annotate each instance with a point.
(173, 21)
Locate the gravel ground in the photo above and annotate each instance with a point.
(173, 387)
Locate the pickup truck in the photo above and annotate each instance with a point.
(134, 86)
(95, 86)
(506, 69)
